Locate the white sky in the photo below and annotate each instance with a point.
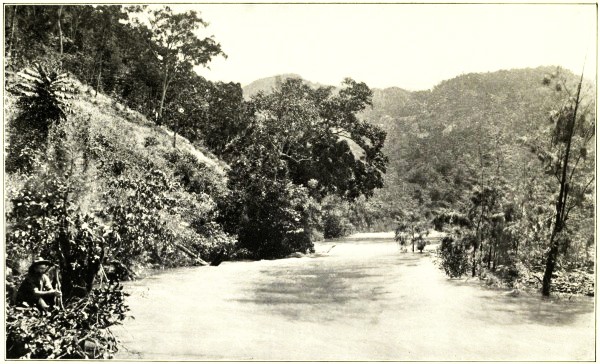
(406, 45)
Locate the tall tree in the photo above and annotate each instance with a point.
(177, 45)
(13, 23)
(573, 129)
(60, 32)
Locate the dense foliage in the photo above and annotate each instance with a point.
(45, 218)
(40, 91)
(301, 145)
(453, 257)
(81, 330)
(469, 164)
(97, 206)
(136, 54)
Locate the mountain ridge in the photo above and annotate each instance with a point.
(266, 84)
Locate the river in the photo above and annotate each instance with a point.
(360, 300)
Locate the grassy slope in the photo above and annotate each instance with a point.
(134, 127)
(128, 131)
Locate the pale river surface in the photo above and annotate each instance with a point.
(364, 300)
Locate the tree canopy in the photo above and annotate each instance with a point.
(318, 135)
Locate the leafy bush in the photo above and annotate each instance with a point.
(453, 257)
(335, 222)
(195, 176)
(158, 223)
(280, 224)
(574, 282)
(150, 141)
(411, 227)
(212, 243)
(335, 225)
(44, 222)
(135, 206)
(80, 331)
(89, 199)
(272, 223)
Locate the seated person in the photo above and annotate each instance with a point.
(36, 289)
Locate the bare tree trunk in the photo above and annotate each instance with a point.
(100, 59)
(60, 34)
(191, 254)
(12, 31)
(561, 203)
(474, 257)
(550, 263)
(175, 134)
(478, 229)
(164, 94)
(99, 79)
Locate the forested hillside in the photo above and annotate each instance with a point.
(438, 139)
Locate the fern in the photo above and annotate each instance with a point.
(43, 101)
(43, 96)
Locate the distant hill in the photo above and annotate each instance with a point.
(513, 96)
(460, 99)
(267, 84)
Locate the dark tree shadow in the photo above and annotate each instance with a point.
(327, 287)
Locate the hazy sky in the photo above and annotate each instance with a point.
(409, 46)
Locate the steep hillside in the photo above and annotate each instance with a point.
(438, 139)
(115, 153)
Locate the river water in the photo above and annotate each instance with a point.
(360, 300)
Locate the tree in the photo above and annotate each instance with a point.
(453, 257)
(177, 46)
(31, 33)
(60, 33)
(298, 146)
(573, 128)
(212, 113)
(318, 136)
(413, 227)
(335, 213)
(271, 215)
(13, 22)
(102, 41)
(480, 227)
(223, 116)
